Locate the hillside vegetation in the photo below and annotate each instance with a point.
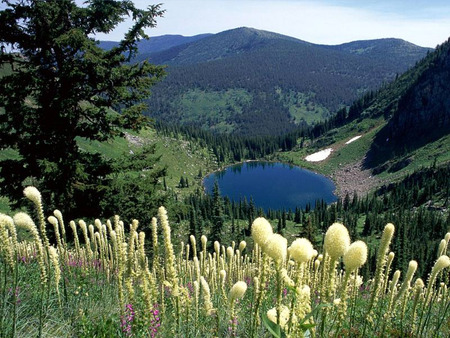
(282, 82)
(403, 126)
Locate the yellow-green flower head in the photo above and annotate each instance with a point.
(53, 253)
(419, 284)
(276, 248)
(395, 278)
(441, 263)
(23, 220)
(320, 258)
(8, 222)
(217, 247)
(447, 237)
(315, 253)
(57, 213)
(261, 231)
(203, 239)
(33, 194)
(301, 250)
(412, 267)
(242, 246)
(284, 315)
(223, 274)
(237, 291)
(388, 232)
(441, 248)
(286, 278)
(230, 252)
(316, 264)
(52, 220)
(192, 239)
(356, 255)
(337, 241)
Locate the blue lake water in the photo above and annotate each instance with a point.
(272, 185)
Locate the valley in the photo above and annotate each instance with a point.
(197, 177)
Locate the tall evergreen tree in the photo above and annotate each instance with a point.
(217, 218)
(63, 87)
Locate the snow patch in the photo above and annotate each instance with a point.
(319, 156)
(353, 139)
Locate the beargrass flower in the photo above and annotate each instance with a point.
(5, 246)
(207, 297)
(204, 240)
(33, 194)
(337, 241)
(261, 231)
(412, 267)
(284, 315)
(441, 263)
(54, 258)
(356, 255)
(441, 248)
(276, 248)
(237, 291)
(301, 250)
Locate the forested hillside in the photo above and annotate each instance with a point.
(422, 114)
(251, 82)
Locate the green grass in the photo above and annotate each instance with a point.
(343, 154)
(214, 108)
(302, 107)
(181, 157)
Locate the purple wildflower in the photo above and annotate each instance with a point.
(127, 320)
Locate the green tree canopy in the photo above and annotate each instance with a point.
(64, 86)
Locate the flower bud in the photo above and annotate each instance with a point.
(242, 246)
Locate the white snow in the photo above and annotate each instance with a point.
(319, 156)
(353, 139)
(323, 154)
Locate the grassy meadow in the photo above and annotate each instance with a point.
(61, 278)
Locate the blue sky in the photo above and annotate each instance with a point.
(423, 22)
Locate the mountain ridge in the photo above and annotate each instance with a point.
(281, 80)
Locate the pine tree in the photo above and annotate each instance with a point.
(64, 87)
(217, 218)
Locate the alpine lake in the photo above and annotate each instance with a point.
(272, 185)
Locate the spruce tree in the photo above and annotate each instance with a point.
(63, 87)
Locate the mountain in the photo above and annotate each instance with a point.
(398, 51)
(219, 46)
(401, 128)
(418, 115)
(252, 82)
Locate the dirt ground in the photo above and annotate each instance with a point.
(353, 178)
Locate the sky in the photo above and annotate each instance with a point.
(423, 22)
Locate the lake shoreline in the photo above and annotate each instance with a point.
(273, 184)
